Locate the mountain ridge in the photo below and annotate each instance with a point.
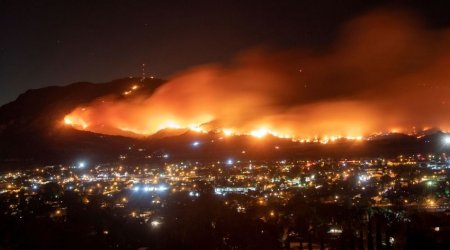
(32, 132)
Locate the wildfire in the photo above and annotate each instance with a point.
(227, 132)
(262, 132)
(364, 85)
(259, 133)
(68, 120)
(75, 122)
(170, 125)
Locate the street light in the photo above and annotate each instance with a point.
(446, 140)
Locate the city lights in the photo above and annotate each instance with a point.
(363, 178)
(257, 184)
(155, 223)
(225, 125)
(446, 140)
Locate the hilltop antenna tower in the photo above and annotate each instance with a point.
(143, 72)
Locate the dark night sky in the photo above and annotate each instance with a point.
(46, 43)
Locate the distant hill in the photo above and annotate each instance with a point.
(30, 135)
(29, 131)
(42, 107)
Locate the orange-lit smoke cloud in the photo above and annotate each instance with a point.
(384, 72)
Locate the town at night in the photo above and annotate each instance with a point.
(292, 125)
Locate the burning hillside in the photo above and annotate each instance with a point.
(385, 73)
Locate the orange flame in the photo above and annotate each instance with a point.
(384, 72)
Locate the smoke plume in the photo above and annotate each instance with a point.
(384, 72)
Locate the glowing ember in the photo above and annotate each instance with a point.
(227, 132)
(75, 122)
(170, 125)
(197, 128)
(68, 121)
(260, 132)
